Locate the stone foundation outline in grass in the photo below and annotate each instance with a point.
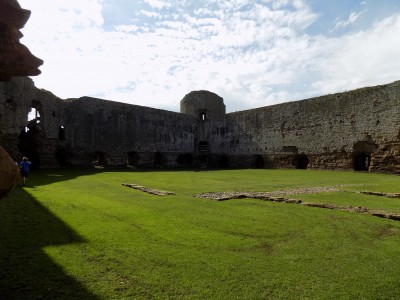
(276, 196)
(147, 190)
(389, 195)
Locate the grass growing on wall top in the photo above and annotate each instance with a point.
(76, 234)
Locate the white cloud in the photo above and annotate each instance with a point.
(361, 59)
(352, 19)
(250, 54)
(63, 13)
(157, 4)
(150, 14)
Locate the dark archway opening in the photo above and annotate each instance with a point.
(259, 162)
(28, 146)
(132, 159)
(223, 161)
(100, 159)
(158, 159)
(61, 157)
(361, 161)
(301, 162)
(185, 160)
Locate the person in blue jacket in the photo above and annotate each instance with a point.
(24, 165)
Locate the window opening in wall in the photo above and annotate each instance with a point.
(34, 114)
(61, 133)
(203, 116)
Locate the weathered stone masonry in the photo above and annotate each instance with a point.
(356, 130)
(339, 131)
(119, 132)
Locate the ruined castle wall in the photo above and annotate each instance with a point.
(76, 131)
(116, 129)
(339, 131)
(17, 98)
(328, 129)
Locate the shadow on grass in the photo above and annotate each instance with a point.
(26, 272)
(45, 177)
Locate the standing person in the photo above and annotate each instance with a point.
(25, 163)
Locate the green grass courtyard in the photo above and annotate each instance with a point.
(80, 234)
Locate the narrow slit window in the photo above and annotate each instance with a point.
(203, 116)
(61, 133)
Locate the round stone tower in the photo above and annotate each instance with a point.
(203, 105)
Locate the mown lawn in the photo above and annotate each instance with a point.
(80, 234)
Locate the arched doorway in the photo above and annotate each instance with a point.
(300, 161)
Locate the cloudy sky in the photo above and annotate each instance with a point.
(252, 53)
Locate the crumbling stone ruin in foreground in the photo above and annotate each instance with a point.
(356, 130)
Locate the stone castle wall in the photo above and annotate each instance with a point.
(329, 129)
(352, 130)
(116, 129)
